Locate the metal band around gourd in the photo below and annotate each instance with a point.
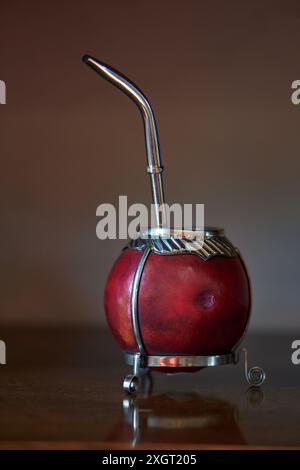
(186, 361)
(134, 301)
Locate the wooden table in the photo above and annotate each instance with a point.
(61, 389)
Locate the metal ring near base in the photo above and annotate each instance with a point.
(131, 383)
(185, 361)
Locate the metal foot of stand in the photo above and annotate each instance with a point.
(141, 375)
(254, 376)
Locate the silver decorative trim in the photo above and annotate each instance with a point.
(206, 244)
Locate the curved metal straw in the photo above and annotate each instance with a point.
(152, 145)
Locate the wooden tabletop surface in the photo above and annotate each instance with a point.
(61, 389)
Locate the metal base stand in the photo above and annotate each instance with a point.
(142, 364)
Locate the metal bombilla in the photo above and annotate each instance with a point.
(154, 167)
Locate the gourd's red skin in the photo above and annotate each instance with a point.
(187, 306)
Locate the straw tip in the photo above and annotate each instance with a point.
(85, 58)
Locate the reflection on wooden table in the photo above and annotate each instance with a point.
(62, 389)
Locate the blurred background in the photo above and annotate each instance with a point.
(218, 75)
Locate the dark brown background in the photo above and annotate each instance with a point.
(219, 77)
